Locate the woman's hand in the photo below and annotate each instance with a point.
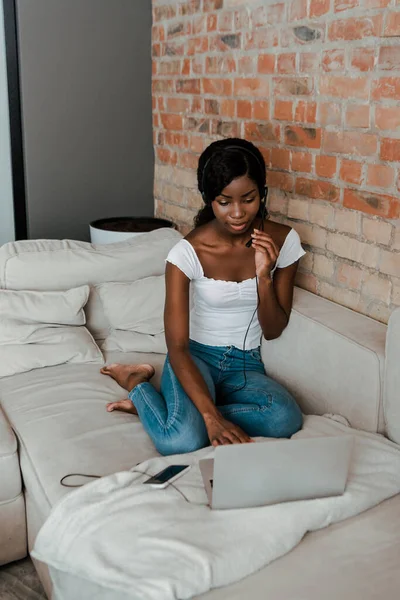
(221, 432)
(266, 253)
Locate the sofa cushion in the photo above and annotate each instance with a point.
(332, 360)
(134, 311)
(392, 378)
(70, 264)
(60, 418)
(39, 329)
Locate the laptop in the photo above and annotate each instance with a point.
(269, 472)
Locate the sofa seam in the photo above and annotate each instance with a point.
(20, 495)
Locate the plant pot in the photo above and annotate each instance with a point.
(118, 229)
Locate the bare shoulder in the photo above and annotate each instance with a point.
(277, 231)
(200, 236)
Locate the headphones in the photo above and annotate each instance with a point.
(240, 149)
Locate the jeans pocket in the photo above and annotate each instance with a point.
(256, 354)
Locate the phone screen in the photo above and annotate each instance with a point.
(166, 474)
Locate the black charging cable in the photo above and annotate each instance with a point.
(133, 471)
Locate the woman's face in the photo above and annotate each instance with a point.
(236, 207)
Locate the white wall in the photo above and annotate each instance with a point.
(6, 193)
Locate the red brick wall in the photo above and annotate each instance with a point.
(316, 85)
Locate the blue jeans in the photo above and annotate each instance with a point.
(259, 405)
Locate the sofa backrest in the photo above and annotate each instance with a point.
(332, 359)
(45, 265)
(391, 391)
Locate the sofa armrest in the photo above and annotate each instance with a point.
(392, 378)
(12, 504)
(10, 475)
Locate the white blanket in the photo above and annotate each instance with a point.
(150, 544)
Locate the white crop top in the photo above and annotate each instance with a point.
(221, 310)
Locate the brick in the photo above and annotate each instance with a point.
(390, 149)
(349, 276)
(280, 158)
(318, 8)
(392, 26)
(355, 28)
(166, 156)
(301, 161)
(371, 203)
(380, 176)
(217, 87)
(309, 62)
(325, 166)
(286, 63)
(387, 117)
(357, 115)
(306, 281)
(188, 86)
(396, 243)
(283, 181)
(276, 13)
(283, 110)
(251, 87)
(266, 63)
(376, 231)
(261, 132)
(196, 143)
(212, 22)
(211, 5)
(311, 235)
(241, 19)
(341, 5)
(306, 262)
(323, 267)
(306, 112)
(244, 109)
(308, 137)
(197, 45)
(363, 59)
(298, 209)
(376, 287)
(317, 189)
(377, 3)
(176, 139)
(262, 38)
(390, 263)
(330, 113)
(321, 214)
(350, 171)
(246, 65)
(224, 128)
(352, 249)
(171, 121)
(344, 297)
(333, 60)
(396, 295)
(261, 110)
(293, 86)
(386, 87)
(277, 201)
(389, 57)
(211, 106)
(344, 87)
(227, 108)
(349, 142)
(297, 10)
(347, 221)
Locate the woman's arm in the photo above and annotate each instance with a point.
(176, 322)
(276, 294)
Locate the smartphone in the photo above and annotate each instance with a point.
(167, 475)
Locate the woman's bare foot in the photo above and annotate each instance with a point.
(123, 405)
(127, 376)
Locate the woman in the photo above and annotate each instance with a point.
(214, 387)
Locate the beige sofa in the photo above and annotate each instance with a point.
(53, 419)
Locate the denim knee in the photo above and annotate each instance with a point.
(181, 442)
(282, 414)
